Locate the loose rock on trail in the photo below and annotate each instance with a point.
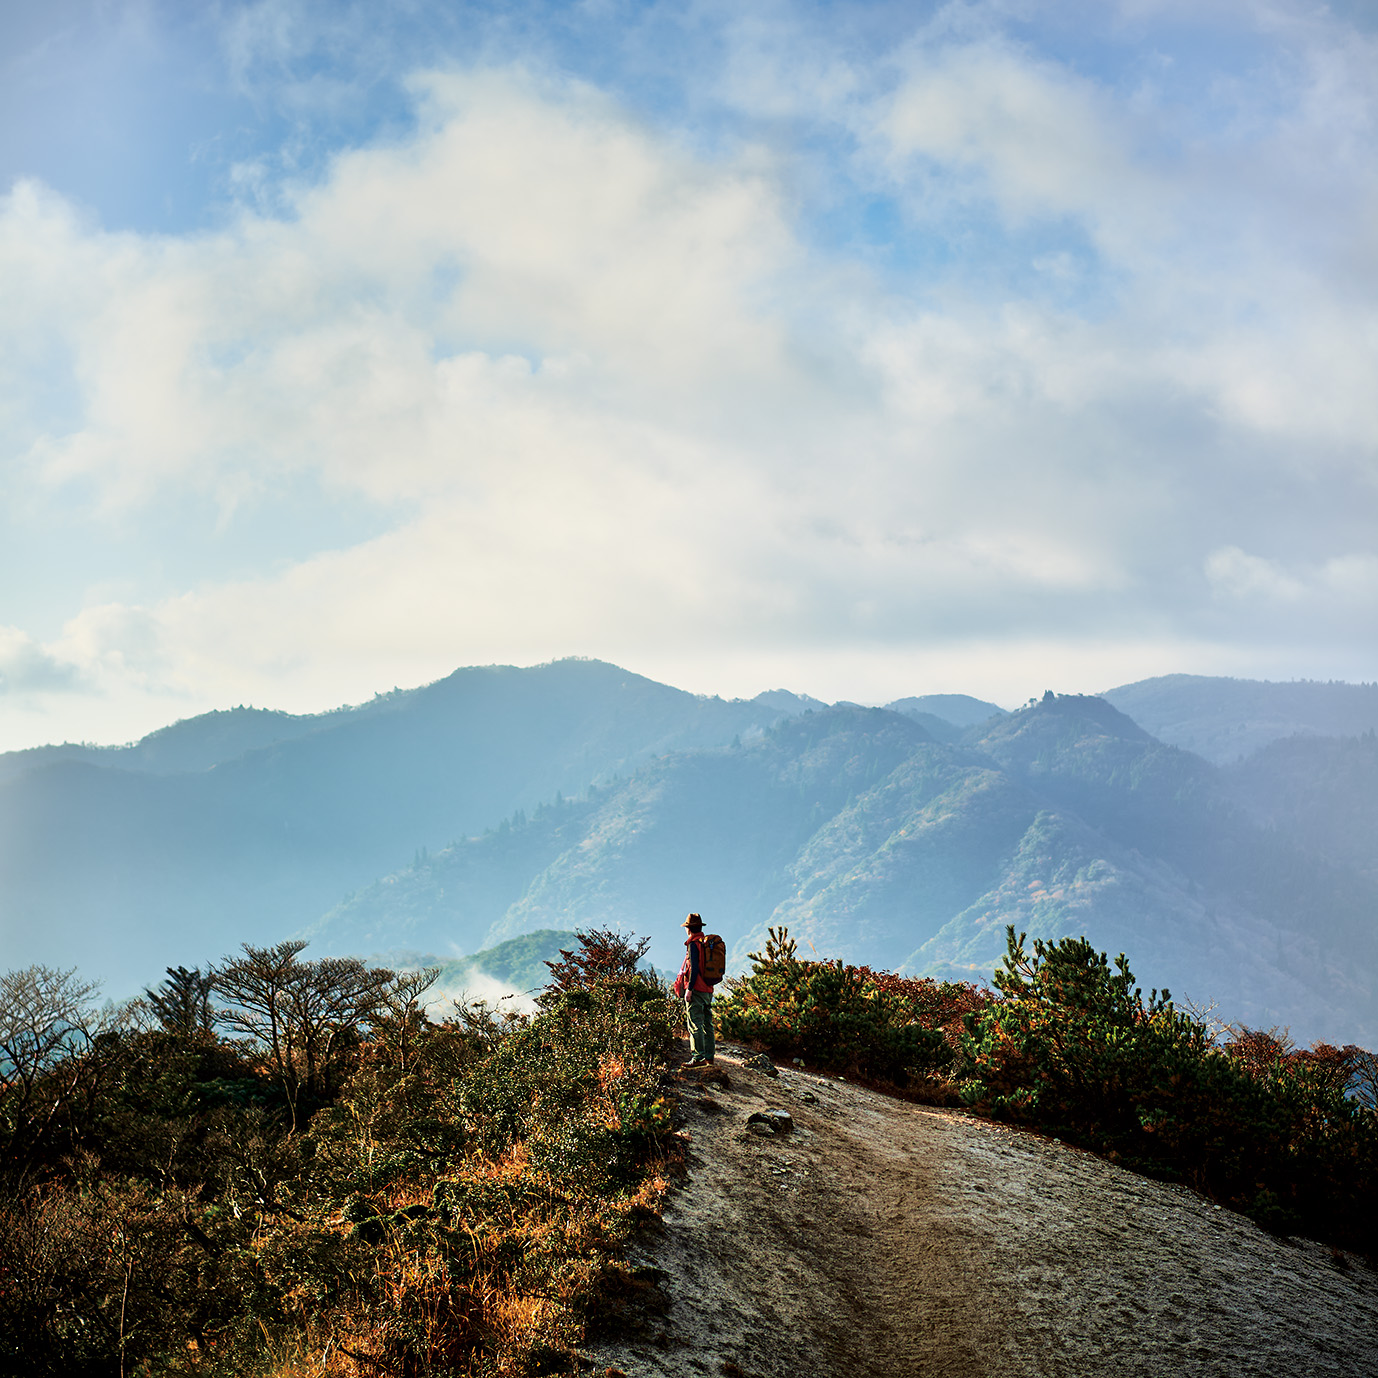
(878, 1239)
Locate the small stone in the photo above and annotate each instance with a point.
(808, 1098)
(777, 1121)
(761, 1062)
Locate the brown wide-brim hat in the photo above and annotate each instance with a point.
(693, 923)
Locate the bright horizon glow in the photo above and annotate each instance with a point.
(859, 349)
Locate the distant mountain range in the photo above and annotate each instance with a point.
(241, 826)
(534, 802)
(875, 843)
(1225, 720)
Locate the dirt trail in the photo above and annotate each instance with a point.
(886, 1240)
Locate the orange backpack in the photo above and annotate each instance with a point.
(712, 959)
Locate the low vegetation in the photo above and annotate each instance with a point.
(1068, 1045)
(894, 1030)
(287, 1168)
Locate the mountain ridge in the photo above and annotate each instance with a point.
(252, 846)
(877, 844)
(580, 794)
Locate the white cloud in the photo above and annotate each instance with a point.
(1344, 587)
(1040, 140)
(500, 996)
(27, 666)
(357, 336)
(1238, 574)
(612, 397)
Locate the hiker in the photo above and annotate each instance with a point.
(702, 970)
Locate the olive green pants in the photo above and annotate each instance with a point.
(698, 1010)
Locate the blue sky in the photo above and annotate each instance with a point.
(865, 349)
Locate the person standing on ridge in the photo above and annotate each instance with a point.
(694, 985)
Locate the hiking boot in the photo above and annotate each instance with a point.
(699, 1061)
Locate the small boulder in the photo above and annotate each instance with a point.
(761, 1063)
(777, 1121)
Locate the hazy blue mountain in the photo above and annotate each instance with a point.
(875, 843)
(190, 745)
(961, 710)
(1321, 792)
(1146, 849)
(128, 868)
(714, 832)
(938, 728)
(445, 902)
(1226, 719)
(710, 830)
(577, 795)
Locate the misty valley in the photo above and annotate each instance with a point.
(1225, 832)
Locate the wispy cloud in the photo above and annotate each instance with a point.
(933, 347)
(25, 666)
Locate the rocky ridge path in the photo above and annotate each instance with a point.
(881, 1239)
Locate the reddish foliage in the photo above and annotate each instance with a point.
(1265, 1053)
(603, 955)
(936, 1004)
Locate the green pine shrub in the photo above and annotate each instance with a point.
(883, 1027)
(1075, 1050)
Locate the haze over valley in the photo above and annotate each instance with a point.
(500, 802)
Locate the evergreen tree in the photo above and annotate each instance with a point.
(183, 1002)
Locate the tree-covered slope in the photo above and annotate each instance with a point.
(712, 830)
(120, 863)
(876, 844)
(1322, 792)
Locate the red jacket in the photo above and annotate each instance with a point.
(690, 974)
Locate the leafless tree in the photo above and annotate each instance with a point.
(1364, 1083)
(306, 1017)
(403, 1014)
(54, 1050)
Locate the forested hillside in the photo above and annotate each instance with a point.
(874, 842)
(123, 861)
(1320, 791)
